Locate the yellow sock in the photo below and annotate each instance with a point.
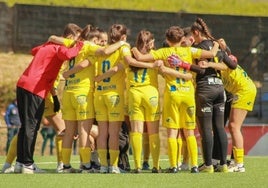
(66, 155)
(114, 155)
(154, 142)
(179, 154)
(172, 151)
(12, 150)
(103, 157)
(136, 143)
(85, 154)
(58, 141)
(238, 155)
(146, 146)
(192, 150)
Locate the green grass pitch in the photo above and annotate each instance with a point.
(256, 175)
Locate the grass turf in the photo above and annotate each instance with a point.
(256, 175)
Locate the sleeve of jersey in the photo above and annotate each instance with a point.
(91, 48)
(126, 51)
(68, 42)
(196, 52)
(157, 54)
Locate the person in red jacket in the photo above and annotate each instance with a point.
(32, 88)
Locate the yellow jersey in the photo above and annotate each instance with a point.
(187, 54)
(85, 78)
(117, 81)
(236, 79)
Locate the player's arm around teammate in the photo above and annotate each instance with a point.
(238, 83)
(34, 84)
(210, 101)
(109, 103)
(179, 94)
(143, 100)
(77, 100)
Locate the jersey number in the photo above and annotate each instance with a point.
(180, 80)
(104, 68)
(142, 77)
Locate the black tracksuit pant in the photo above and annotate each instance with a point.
(210, 102)
(31, 109)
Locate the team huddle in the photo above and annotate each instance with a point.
(107, 83)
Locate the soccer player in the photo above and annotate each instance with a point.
(179, 103)
(143, 104)
(32, 88)
(210, 102)
(238, 83)
(53, 115)
(79, 88)
(109, 98)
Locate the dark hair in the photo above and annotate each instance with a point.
(116, 31)
(201, 26)
(165, 44)
(187, 31)
(71, 29)
(174, 34)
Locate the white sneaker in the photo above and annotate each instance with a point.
(236, 168)
(114, 170)
(103, 169)
(59, 168)
(18, 167)
(7, 168)
(32, 169)
(240, 169)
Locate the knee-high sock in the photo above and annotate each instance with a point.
(192, 150)
(154, 142)
(66, 156)
(85, 153)
(146, 146)
(172, 151)
(103, 157)
(114, 156)
(12, 150)
(58, 141)
(179, 154)
(136, 142)
(238, 155)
